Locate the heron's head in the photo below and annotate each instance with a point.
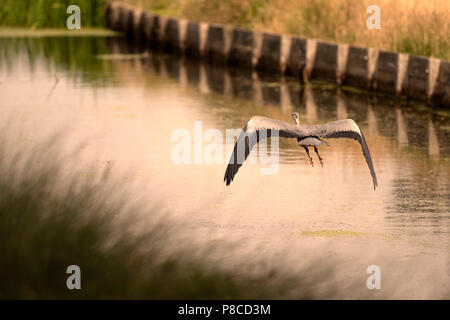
(296, 117)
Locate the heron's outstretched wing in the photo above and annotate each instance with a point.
(344, 129)
(244, 144)
(255, 130)
(259, 128)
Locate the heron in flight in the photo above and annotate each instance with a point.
(258, 128)
(306, 142)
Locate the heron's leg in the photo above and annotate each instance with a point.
(310, 159)
(318, 155)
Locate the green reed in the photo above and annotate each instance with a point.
(49, 13)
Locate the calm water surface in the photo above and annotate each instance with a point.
(122, 109)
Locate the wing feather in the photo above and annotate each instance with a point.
(247, 139)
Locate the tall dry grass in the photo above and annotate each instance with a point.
(414, 26)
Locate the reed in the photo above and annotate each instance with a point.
(53, 216)
(49, 13)
(411, 26)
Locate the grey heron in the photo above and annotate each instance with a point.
(258, 128)
(306, 142)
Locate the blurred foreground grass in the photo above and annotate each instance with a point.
(51, 217)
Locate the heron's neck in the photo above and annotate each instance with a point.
(297, 122)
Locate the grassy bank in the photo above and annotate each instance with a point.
(43, 231)
(412, 26)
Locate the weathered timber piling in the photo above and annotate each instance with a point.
(296, 60)
(385, 75)
(269, 57)
(356, 71)
(241, 51)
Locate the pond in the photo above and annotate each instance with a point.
(122, 106)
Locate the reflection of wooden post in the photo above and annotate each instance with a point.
(372, 122)
(310, 104)
(228, 84)
(433, 143)
(182, 74)
(115, 46)
(285, 99)
(402, 135)
(257, 90)
(148, 65)
(203, 83)
(163, 73)
(341, 107)
(138, 64)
